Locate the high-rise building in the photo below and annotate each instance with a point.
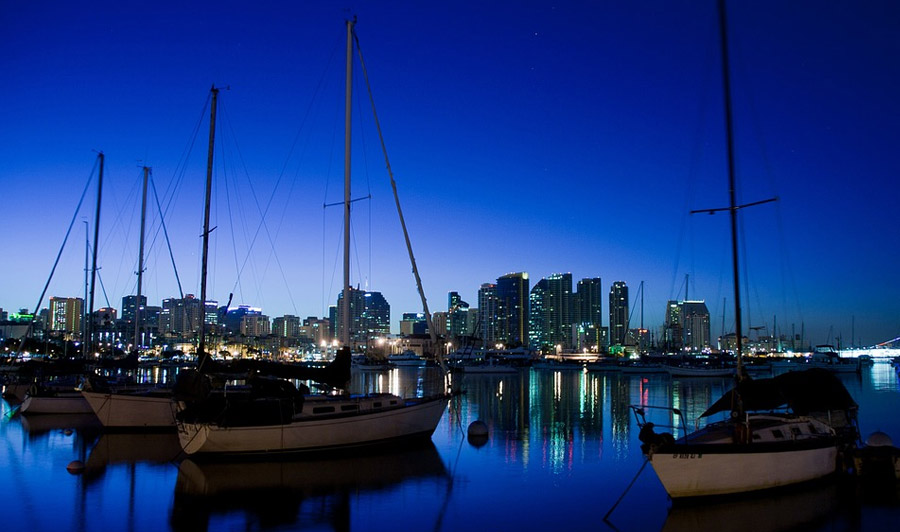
(551, 312)
(129, 306)
(487, 313)
(587, 306)
(696, 325)
(370, 316)
(232, 318)
(65, 315)
(457, 316)
(287, 326)
(673, 330)
(512, 309)
(618, 313)
(413, 323)
(182, 316)
(316, 329)
(255, 325)
(687, 326)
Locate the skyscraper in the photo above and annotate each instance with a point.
(687, 325)
(618, 313)
(696, 325)
(458, 316)
(487, 313)
(551, 312)
(512, 309)
(183, 315)
(370, 316)
(65, 315)
(287, 326)
(129, 306)
(587, 307)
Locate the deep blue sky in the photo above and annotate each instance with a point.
(524, 136)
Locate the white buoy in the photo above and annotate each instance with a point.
(75, 467)
(478, 428)
(879, 439)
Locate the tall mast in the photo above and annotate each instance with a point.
(733, 207)
(140, 270)
(345, 301)
(201, 348)
(84, 314)
(642, 305)
(90, 325)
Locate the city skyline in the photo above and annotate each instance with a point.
(524, 138)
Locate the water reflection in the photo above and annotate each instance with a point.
(806, 508)
(130, 449)
(562, 448)
(551, 415)
(301, 492)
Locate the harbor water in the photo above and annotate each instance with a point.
(562, 448)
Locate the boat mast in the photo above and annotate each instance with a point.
(412, 259)
(202, 357)
(140, 270)
(90, 323)
(84, 315)
(733, 207)
(345, 301)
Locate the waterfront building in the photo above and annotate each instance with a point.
(255, 325)
(587, 303)
(16, 324)
(457, 316)
(618, 313)
(332, 321)
(370, 316)
(413, 323)
(440, 321)
(512, 309)
(487, 313)
(105, 317)
(550, 313)
(130, 305)
(287, 326)
(181, 316)
(232, 318)
(592, 338)
(65, 316)
(316, 329)
(687, 326)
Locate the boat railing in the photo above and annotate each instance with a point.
(640, 416)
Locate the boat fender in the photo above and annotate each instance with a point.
(478, 433)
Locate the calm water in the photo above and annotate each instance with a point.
(563, 447)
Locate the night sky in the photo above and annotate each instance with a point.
(524, 136)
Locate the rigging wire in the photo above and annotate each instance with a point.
(63, 246)
(162, 223)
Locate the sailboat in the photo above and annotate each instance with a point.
(47, 398)
(274, 416)
(133, 406)
(756, 447)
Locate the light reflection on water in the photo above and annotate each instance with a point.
(562, 448)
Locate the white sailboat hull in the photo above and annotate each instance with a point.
(117, 410)
(704, 474)
(310, 434)
(60, 403)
